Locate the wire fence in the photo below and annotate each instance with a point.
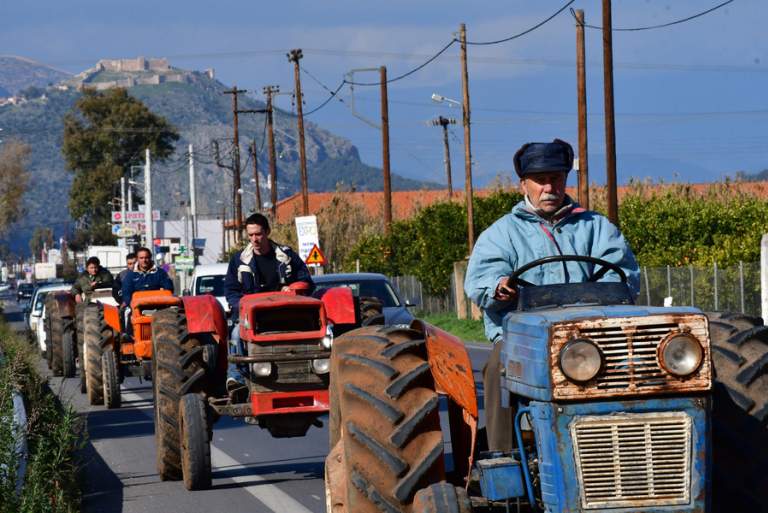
(729, 289)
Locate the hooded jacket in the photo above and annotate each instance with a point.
(522, 236)
(243, 278)
(136, 280)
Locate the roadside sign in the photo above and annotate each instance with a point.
(306, 229)
(135, 216)
(184, 263)
(315, 256)
(128, 231)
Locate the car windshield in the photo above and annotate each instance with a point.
(380, 289)
(40, 301)
(26, 287)
(213, 285)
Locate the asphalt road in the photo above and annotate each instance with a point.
(252, 472)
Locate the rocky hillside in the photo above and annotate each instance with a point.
(18, 73)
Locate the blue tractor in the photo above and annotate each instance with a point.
(613, 400)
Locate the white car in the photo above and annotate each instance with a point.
(209, 279)
(35, 308)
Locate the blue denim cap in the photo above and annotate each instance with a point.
(532, 158)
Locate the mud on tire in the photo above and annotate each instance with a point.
(195, 438)
(371, 311)
(384, 426)
(97, 334)
(178, 368)
(740, 412)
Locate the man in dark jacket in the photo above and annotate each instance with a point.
(117, 287)
(145, 276)
(263, 266)
(94, 277)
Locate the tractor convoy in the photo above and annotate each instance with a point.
(615, 407)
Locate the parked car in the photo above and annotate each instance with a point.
(24, 292)
(209, 279)
(33, 313)
(371, 285)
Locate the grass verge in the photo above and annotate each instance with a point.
(468, 330)
(54, 436)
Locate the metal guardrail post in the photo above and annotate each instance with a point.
(647, 287)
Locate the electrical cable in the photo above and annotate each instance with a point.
(524, 32)
(408, 73)
(663, 25)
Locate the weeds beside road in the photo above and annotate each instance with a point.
(468, 330)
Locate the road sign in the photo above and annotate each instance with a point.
(129, 230)
(315, 256)
(136, 216)
(306, 229)
(126, 232)
(184, 263)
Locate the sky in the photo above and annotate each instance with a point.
(690, 99)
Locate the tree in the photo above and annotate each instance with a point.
(103, 136)
(41, 237)
(13, 181)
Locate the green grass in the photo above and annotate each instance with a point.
(466, 329)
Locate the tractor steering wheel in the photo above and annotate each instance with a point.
(605, 266)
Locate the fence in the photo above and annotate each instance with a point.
(732, 289)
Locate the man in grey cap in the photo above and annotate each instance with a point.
(546, 223)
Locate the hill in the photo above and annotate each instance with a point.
(18, 73)
(195, 104)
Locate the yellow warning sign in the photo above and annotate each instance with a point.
(315, 256)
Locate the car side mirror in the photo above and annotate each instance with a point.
(410, 303)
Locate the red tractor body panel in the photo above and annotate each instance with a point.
(339, 305)
(270, 317)
(306, 401)
(205, 315)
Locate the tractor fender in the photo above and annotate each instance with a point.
(452, 371)
(112, 316)
(65, 302)
(205, 315)
(339, 304)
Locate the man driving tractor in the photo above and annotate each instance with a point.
(547, 222)
(94, 277)
(144, 276)
(262, 266)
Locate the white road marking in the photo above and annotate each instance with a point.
(268, 494)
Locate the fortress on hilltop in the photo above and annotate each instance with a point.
(111, 73)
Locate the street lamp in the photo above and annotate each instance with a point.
(439, 98)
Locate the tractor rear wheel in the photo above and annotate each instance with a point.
(68, 361)
(371, 311)
(178, 367)
(111, 378)
(388, 439)
(442, 498)
(195, 442)
(740, 412)
(80, 332)
(94, 329)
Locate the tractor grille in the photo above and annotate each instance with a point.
(629, 346)
(633, 461)
(286, 376)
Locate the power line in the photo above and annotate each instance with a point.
(524, 32)
(663, 25)
(407, 73)
(332, 93)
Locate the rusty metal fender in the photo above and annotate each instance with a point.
(452, 371)
(65, 303)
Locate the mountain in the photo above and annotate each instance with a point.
(195, 103)
(18, 73)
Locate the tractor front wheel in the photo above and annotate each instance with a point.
(55, 341)
(195, 443)
(80, 331)
(111, 378)
(94, 328)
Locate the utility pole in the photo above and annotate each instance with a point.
(444, 122)
(610, 127)
(294, 56)
(192, 202)
(269, 91)
(149, 222)
(467, 140)
(223, 229)
(237, 185)
(385, 151)
(122, 201)
(581, 93)
(256, 175)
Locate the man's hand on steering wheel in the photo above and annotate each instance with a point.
(505, 290)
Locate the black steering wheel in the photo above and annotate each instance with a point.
(605, 266)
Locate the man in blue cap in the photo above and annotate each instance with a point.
(547, 222)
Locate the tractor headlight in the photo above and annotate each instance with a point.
(680, 354)
(261, 369)
(327, 340)
(321, 365)
(580, 360)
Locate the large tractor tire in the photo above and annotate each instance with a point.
(80, 332)
(442, 498)
(371, 311)
(55, 341)
(110, 378)
(96, 335)
(740, 412)
(68, 347)
(195, 442)
(178, 368)
(385, 430)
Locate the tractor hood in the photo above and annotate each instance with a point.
(548, 316)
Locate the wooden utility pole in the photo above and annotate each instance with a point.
(467, 139)
(256, 175)
(444, 122)
(236, 158)
(269, 91)
(581, 93)
(610, 127)
(294, 56)
(385, 151)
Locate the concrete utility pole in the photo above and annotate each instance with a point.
(256, 175)
(444, 122)
(294, 56)
(236, 158)
(610, 127)
(385, 151)
(148, 221)
(581, 93)
(269, 91)
(467, 140)
(192, 201)
(122, 201)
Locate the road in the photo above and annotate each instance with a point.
(253, 472)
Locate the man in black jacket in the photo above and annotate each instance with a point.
(262, 266)
(117, 286)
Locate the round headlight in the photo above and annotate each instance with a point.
(321, 365)
(580, 360)
(261, 369)
(680, 354)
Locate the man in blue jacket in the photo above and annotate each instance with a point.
(547, 222)
(262, 266)
(144, 276)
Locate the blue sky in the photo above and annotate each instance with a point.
(690, 99)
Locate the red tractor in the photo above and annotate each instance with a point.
(288, 340)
